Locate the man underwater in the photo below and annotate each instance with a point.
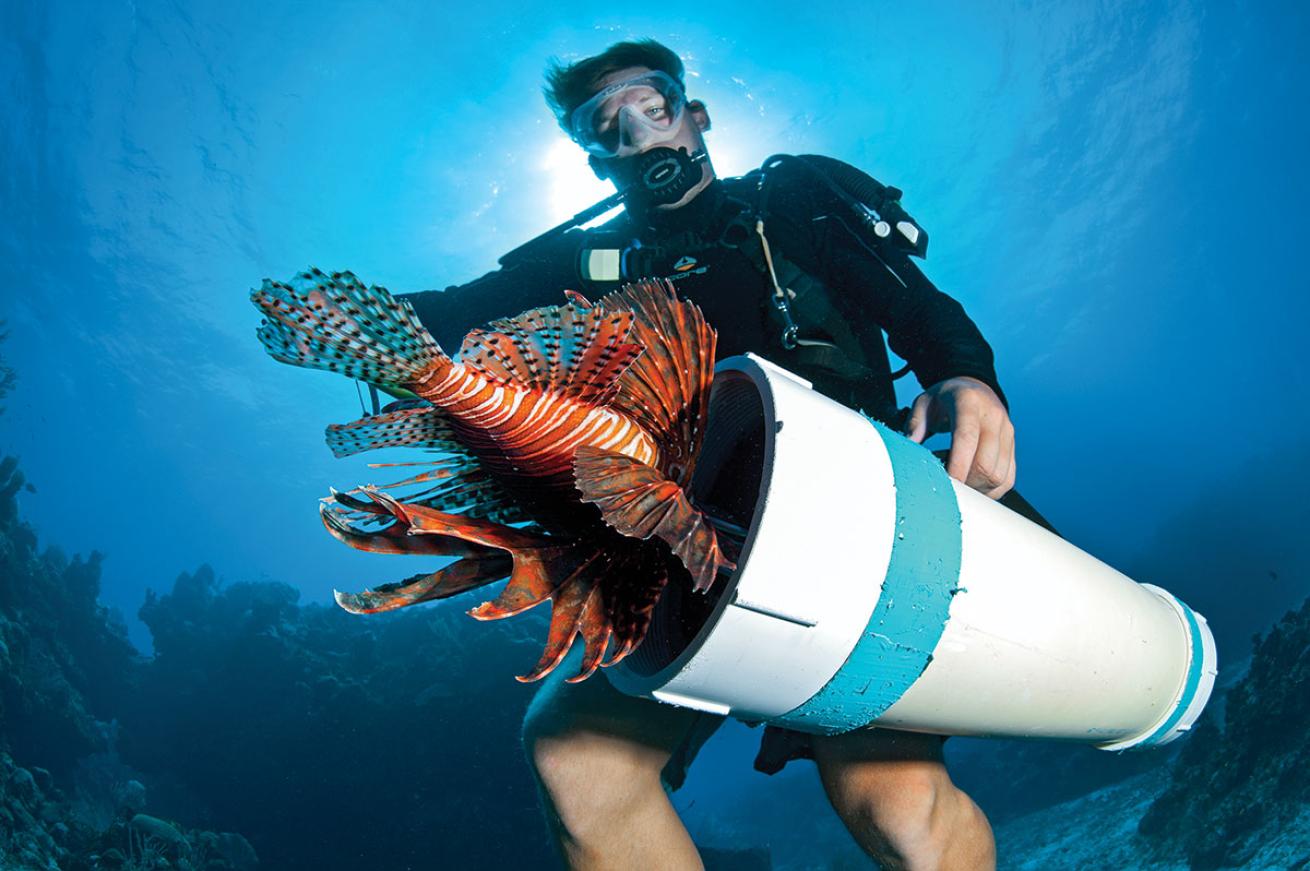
(604, 760)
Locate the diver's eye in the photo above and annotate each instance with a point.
(656, 112)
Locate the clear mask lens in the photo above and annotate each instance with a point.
(629, 116)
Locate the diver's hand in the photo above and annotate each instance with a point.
(982, 437)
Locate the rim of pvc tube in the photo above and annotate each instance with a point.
(1198, 682)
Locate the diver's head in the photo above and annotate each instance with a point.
(624, 102)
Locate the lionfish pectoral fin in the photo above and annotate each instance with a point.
(458, 577)
(486, 548)
(392, 538)
(570, 576)
(596, 631)
(420, 426)
(423, 520)
(639, 501)
(334, 322)
(574, 350)
(540, 573)
(601, 591)
(566, 618)
(666, 391)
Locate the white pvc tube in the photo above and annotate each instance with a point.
(872, 589)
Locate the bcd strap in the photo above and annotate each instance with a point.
(810, 303)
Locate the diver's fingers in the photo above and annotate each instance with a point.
(989, 466)
(917, 428)
(964, 447)
(1007, 462)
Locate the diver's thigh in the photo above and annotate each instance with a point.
(594, 706)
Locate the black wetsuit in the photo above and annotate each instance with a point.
(852, 291)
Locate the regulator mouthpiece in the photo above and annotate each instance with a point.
(664, 176)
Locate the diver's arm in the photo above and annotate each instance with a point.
(943, 346)
(875, 285)
(536, 279)
(449, 314)
(927, 328)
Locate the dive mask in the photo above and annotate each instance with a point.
(629, 116)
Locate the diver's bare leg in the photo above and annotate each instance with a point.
(597, 755)
(893, 792)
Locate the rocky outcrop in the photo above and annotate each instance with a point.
(1239, 784)
(32, 833)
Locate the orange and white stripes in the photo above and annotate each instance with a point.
(537, 431)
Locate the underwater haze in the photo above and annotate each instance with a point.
(1115, 192)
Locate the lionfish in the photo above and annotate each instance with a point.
(568, 436)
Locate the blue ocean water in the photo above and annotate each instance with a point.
(1115, 192)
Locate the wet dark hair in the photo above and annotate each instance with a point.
(570, 85)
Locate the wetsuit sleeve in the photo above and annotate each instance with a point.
(927, 328)
(883, 290)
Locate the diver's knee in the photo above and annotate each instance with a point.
(909, 821)
(908, 818)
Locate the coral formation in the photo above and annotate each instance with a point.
(318, 734)
(66, 661)
(67, 671)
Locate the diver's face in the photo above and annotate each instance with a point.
(647, 126)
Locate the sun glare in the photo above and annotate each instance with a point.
(572, 186)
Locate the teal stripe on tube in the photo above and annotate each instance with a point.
(1190, 685)
(911, 613)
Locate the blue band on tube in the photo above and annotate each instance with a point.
(1190, 686)
(913, 607)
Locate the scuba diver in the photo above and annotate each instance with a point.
(806, 262)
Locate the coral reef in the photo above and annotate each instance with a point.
(40, 830)
(31, 833)
(67, 672)
(65, 661)
(320, 735)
